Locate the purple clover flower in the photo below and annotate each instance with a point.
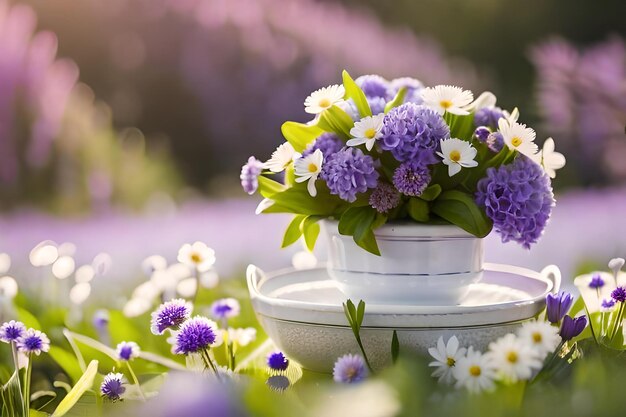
(572, 327)
(373, 86)
(195, 335)
(349, 172)
(385, 197)
(33, 341)
(127, 351)
(518, 199)
(170, 315)
(328, 143)
(619, 294)
(350, 369)
(410, 180)
(482, 133)
(557, 305)
(250, 175)
(488, 116)
(412, 133)
(596, 282)
(277, 361)
(113, 386)
(225, 308)
(12, 331)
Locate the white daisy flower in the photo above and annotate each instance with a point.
(457, 153)
(446, 357)
(518, 137)
(197, 255)
(309, 168)
(447, 98)
(549, 159)
(474, 371)
(281, 158)
(540, 335)
(514, 358)
(324, 98)
(367, 131)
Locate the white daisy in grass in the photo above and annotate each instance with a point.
(541, 336)
(475, 371)
(518, 137)
(197, 255)
(446, 357)
(514, 358)
(549, 159)
(367, 131)
(324, 98)
(281, 158)
(308, 169)
(457, 153)
(447, 98)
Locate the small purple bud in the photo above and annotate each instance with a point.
(570, 328)
(495, 141)
(482, 133)
(557, 305)
(596, 282)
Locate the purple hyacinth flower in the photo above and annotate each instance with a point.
(170, 315)
(596, 282)
(349, 369)
(385, 197)
(277, 361)
(328, 143)
(518, 199)
(12, 331)
(572, 327)
(482, 133)
(412, 133)
(488, 116)
(33, 341)
(195, 335)
(619, 294)
(113, 387)
(411, 180)
(373, 86)
(558, 305)
(225, 308)
(250, 175)
(349, 172)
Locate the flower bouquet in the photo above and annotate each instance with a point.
(381, 151)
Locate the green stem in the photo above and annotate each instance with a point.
(135, 380)
(367, 362)
(16, 361)
(207, 360)
(27, 376)
(618, 321)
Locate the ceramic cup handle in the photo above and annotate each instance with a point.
(553, 274)
(254, 276)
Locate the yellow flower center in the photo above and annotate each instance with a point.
(516, 141)
(325, 103)
(451, 362)
(446, 104)
(475, 370)
(537, 337)
(312, 167)
(195, 257)
(455, 156)
(512, 357)
(370, 133)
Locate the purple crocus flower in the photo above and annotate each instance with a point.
(572, 327)
(250, 175)
(349, 172)
(518, 199)
(619, 294)
(12, 331)
(557, 305)
(349, 369)
(113, 387)
(596, 282)
(277, 361)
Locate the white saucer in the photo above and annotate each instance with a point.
(301, 310)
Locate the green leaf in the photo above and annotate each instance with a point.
(298, 201)
(459, 208)
(268, 187)
(461, 127)
(360, 313)
(300, 134)
(431, 193)
(27, 318)
(84, 383)
(337, 121)
(418, 209)
(397, 100)
(11, 397)
(294, 231)
(357, 222)
(357, 95)
(67, 361)
(395, 347)
(311, 230)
